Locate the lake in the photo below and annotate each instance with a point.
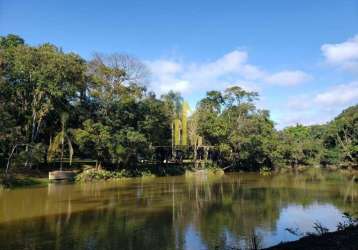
(197, 212)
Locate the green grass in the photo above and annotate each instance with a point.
(16, 181)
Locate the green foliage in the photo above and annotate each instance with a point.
(298, 147)
(94, 138)
(173, 103)
(36, 83)
(100, 174)
(93, 174)
(243, 135)
(15, 181)
(112, 118)
(11, 41)
(265, 171)
(36, 153)
(341, 138)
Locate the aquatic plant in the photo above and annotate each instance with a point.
(349, 223)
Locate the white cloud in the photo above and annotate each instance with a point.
(334, 98)
(320, 107)
(218, 74)
(230, 63)
(177, 86)
(167, 76)
(344, 55)
(288, 78)
(304, 117)
(338, 95)
(231, 68)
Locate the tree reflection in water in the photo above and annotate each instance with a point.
(204, 212)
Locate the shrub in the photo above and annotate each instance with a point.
(99, 174)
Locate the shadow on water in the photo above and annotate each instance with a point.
(173, 212)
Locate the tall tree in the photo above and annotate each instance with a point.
(38, 82)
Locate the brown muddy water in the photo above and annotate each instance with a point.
(200, 212)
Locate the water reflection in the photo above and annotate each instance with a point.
(173, 212)
(302, 218)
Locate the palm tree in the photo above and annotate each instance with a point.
(58, 142)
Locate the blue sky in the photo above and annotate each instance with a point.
(301, 56)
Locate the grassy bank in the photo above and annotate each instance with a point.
(92, 174)
(15, 180)
(22, 177)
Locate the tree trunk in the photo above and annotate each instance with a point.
(62, 147)
(27, 160)
(9, 159)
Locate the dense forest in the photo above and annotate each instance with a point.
(56, 105)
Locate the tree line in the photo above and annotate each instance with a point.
(56, 105)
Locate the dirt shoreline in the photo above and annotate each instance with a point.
(343, 240)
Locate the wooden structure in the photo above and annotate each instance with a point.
(61, 176)
(198, 155)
